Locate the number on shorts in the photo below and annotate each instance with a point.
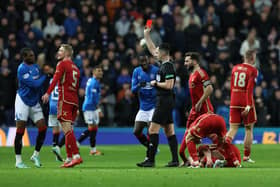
(241, 79)
(75, 73)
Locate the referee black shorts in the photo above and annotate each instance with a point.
(163, 110)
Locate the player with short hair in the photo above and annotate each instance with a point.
(140, 85)
(91, 110)
(27, 105)
(165, 102)
(67, 77)
(205, 126)
(200, 90)
(242, 107)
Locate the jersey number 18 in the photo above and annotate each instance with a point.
(239, 79)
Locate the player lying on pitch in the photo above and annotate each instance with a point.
(205, 126)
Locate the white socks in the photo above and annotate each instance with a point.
(18, 159)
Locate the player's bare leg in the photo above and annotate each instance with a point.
(138, 133)
(92, 139)
(248, 140)
(71, 146)
(18, 144)
(56, 148)
(42, 130)
(173, 145)
(231, 133)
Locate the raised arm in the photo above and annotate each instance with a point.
(150, 44)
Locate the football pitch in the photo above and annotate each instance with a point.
(117, 168)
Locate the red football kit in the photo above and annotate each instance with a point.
(197, 80)
(221, 151)
(208, 124)
(67, 75)
(243, 78)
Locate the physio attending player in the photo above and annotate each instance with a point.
(165, 101)
(242, 107)
(141, 78)
(205, 126)
(27, 105)
(54, 123)
(91, 110)
(67, 77)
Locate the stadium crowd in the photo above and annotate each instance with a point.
(108, 33)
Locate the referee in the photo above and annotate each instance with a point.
(162, 116)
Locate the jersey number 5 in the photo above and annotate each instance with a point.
(239, 79)
(74, 83)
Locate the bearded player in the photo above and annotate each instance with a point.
(200, 89)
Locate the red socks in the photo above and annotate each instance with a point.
(192, 150)
(247, 151)
(183, 148)
(70, 143)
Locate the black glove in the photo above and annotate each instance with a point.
(142, 84)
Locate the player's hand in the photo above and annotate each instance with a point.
(45, 98)
(153, 83)
(246, 111)
(147, 31)
(142, 84)
(198, 106)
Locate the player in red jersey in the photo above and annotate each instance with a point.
(200, 89)
(67, 76)
(205, 126)
(242, 108)
(211, 155)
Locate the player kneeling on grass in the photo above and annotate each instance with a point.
(205, 126)
(27, 105)
(216, 156)
(91, 110)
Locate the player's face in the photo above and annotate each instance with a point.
(61, 53)
(30, 57)
(98, 72)
(144, 62)
(189, 63)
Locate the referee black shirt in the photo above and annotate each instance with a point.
(166, 72)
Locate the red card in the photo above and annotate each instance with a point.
(149, 23)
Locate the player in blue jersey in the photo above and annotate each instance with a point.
(27, 105)
(91, 110)
(141, 78)
(54, 123)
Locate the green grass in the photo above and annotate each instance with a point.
(117, 168)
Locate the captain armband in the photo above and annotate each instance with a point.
(206, 83)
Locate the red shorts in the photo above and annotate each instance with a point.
(66, 112)
(193, 115)
(235, 116)
(207, 125)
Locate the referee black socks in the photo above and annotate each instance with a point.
(154, 139)
(173, 145)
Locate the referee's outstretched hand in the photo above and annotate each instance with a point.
(147, 31)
